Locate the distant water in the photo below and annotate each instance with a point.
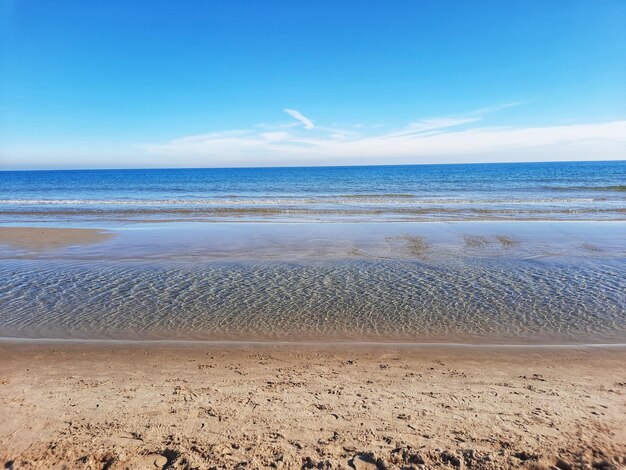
(524, 191)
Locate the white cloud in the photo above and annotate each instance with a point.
(308, 124)
(447, 139)
(275, 136)
(457, 139)
(436, 140)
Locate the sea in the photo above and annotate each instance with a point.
(519, 191)
(519, 253)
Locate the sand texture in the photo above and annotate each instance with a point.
(116, 407)
(44, 238)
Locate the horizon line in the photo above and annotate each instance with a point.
(267, 167)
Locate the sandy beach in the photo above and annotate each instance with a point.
(115, 406)
(48, 238)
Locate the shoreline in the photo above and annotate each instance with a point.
(293, 406)
(312, 343)
(115, 223)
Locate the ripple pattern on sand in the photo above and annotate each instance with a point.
(490, 301)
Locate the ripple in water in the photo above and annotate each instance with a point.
(481, 301)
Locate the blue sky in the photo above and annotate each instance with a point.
(248, 83)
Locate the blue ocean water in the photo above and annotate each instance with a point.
(545, 191)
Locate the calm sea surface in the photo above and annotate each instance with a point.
(543, 191)
(515, 253)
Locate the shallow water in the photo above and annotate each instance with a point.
(437, 242)
(486, 301)
(444, 282)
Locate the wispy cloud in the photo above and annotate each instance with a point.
(308, 124)
(430, 125)
(433, 140)
(498, 107)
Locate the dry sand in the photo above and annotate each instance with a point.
(225, 406)
(46, 238)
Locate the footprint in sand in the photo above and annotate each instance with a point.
(150, 461)
(185, 393)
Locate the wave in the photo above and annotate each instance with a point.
(274, 201)
(313, 211)
(367, 196)
(614, 188)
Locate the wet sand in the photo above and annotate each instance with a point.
(44, 238)
(433, 242)
(114, 406)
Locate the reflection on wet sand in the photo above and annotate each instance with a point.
(433, 242)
